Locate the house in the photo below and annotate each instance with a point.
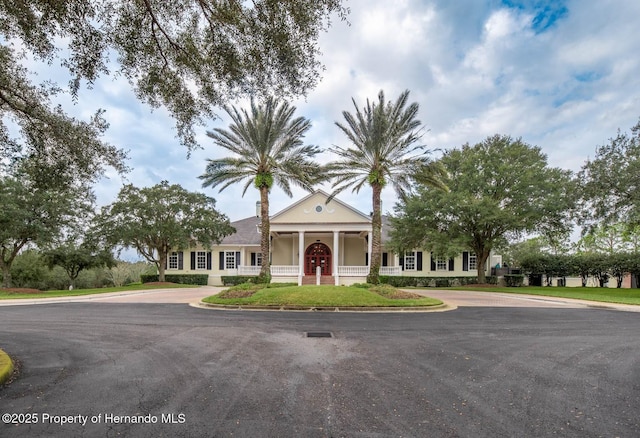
(314, 241)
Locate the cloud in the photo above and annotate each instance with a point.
(560, 74)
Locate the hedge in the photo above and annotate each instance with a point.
(232, 280)
(199, 279)
(428, 281)
(513, 280)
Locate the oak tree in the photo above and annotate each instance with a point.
(498, 189)
(155, 220)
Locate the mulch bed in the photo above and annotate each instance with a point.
(403, 295)
(21, 290)
(160, 283)
(236, 294)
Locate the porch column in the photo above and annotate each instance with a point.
(336, 255)
(300, 257)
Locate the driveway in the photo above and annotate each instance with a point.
(101, 368)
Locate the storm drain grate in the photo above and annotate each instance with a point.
(319, 335)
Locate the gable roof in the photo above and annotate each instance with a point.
(248, 233)
(314, 208)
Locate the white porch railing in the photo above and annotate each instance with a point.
(248, 270)
(285, 271)
(390, 270)
(292, 271)
(353, 271)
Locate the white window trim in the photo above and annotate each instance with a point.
(258, 259)
(172, 262)
(201, 260)
(473, 261)
(442, 264)
(410, 261)
(230, 260)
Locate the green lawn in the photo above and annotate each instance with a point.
(5, 295)
(317, 296)
(607, 295)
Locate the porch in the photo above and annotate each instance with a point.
(293, 273)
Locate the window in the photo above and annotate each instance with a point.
(258, 259)
(410, 261)
(441, 264)
(473, 261)
(230, 260)
(173, 260)
(201, 260)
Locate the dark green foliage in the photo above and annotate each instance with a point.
(497, 188)
(76, 258)
(189, 56)
(514, 280)
(156, 220)
(398, 281)
(197, 279)
(232, 280)
(609, 182)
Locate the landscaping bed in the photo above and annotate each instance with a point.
(275, 295)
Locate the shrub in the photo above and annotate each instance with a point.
(232, 280)
(428, 281)
(361, 285)
(513, 280)
(198, 279)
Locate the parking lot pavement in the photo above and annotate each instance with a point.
(150, 370)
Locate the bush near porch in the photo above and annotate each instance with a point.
(233, 280)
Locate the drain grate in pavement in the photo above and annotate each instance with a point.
(319, 335)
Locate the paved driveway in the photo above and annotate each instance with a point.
(184, 371)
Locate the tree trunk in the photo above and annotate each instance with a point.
(6, 274)
(376, 246)
(265, 270)
(482, 262)
(161, 264)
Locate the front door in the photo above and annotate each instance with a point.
(317, 254)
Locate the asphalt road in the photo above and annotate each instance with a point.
(190, 372)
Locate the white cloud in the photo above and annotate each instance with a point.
(476, 68)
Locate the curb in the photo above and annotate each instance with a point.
(437, 308)
(6, 367)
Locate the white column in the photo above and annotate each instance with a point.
(300, 257)
(336, 255)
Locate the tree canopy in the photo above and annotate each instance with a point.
(188, 56)
(155, 220)
(499, 188)
(34, 215)
(610, 182)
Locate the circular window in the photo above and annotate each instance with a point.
(318, 208)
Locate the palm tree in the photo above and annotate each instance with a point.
(384, 138)
(267, 142)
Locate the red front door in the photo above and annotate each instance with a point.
(317, 254)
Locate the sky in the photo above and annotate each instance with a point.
(561, 75)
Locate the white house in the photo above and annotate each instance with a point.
(311, 241)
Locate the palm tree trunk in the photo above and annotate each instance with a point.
(265, 271)
(376, 223)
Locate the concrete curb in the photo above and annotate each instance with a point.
(438, 308)
(6, 367)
